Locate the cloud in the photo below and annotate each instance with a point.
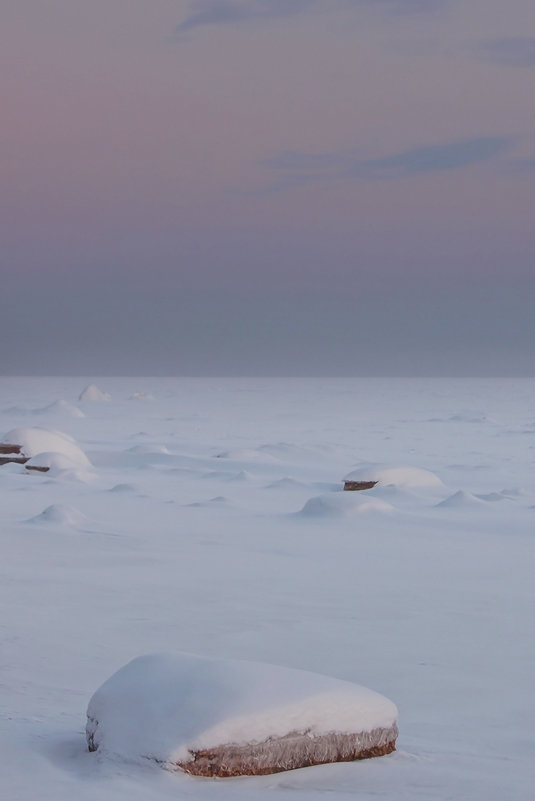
(512, 51)
(523, 166)
(296, 169)
(403, 6)
(228, 12)
(434, 158)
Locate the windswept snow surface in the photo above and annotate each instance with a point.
(429, 603)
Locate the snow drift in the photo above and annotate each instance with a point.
(229, 718)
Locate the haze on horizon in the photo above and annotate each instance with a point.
(267, 187)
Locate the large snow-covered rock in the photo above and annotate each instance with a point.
(229, 718)
(32, 441)
(404, 477)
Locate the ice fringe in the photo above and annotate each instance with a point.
(295, 750)
(276, 754)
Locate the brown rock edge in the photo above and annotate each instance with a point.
(11, 453)
(354, 486)
(293, 751)
(6, 448)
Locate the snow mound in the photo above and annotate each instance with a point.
(61, 408)
(248, 455)
(471, 416)
(94, 394)
(148, 449)
(123, 488)
(492, 497)
(59, 515)
(52, 461)
(286, 483)
(513, 492)
(461, 500)
(403, 477)
(219, 500)
(243, 475)
(221, 718)
(344, 504)
(33, 441)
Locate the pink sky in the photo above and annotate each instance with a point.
(260, 148)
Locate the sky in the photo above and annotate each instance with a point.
(267, 187)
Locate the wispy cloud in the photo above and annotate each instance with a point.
(295, 169)
(523, 166)
(229, 12)
(434, 158)
(512, 51)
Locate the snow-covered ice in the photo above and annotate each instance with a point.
(426, 595)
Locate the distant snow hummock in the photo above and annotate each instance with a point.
(344, 504)
(61, 408)
(93, 393)
(461, 500)
(60, 515)
(404, 476)
(228, 718)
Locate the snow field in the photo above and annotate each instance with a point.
(428, 604)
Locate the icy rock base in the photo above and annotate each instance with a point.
(290, 752)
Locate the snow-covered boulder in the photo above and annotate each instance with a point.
(59, 465)
(229, 718)
(32, 441)
(404, 477)
(94, 394)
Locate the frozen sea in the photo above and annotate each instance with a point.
(212, 521)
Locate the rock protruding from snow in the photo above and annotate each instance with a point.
(404, 477)
(229, 718)
(94, 394)
(33, 441)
